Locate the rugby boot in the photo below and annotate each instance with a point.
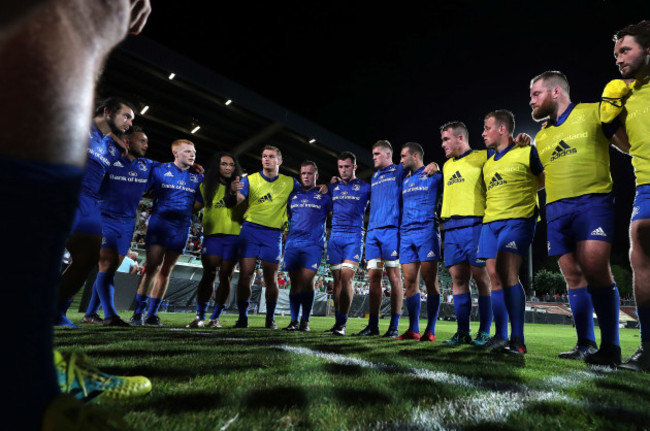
(640, 360)
(196, 323)
(481, 339)
(609, 355)
(459, 338)
(367, 332)
(409, 335)
(580, 352)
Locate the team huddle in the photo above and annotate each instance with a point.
(484, 202)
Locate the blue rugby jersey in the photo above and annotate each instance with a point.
(307, 211)
(123, 186)
(349, 202)
(385, 202)
(102, 153)
(174, 192)
(420, 197)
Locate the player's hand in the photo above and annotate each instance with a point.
(335, 180)
(431, 169)
(140, 11)
(613, 99)
(198, 168)
(236, 185)
(322, 188)
(523, 140)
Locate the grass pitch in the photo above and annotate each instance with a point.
(260, 379)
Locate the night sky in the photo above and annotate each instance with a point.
(399, 72)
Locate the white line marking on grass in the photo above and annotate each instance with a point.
(227, 424)
(488, 405)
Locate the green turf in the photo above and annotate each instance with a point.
(241, 379)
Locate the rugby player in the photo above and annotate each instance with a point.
(512, 177)
(113, 117)
(260, 237)
(175, 189)
(307, 211)
(573, 147)
(51, 53)
(350, 198)
(632, 54)
(221, 226)
(463, 207)
(419, 249)
(125, 182)
(382, 241)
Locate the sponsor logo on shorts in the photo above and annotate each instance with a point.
(511, 245)
(431, 254)
(456, 178)
(315, 266)
(598, 232)
(356, 256)
(548, 245)
(394, 253)
(497, 180)
(118, 164)
(169, 174)
(562, 149)
(635, 211)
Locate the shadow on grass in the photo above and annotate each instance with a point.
(281, 397)
(343, 370)
(181, 403)
(361, 397)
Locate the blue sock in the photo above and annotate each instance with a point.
(343, 319)
(515, 299)
(106, 293)
(307, 299)
(242, 306)
(394, 320)
(500, 313)
(154, 305)
(141, 303)
(463, 307)
(201, 308)
(433, 305)
(94, 303)
(270, 311)
(606, 303)
(294, 306)
(62, 306)
(218, 308)
(583, 314)
(485, 313)
(60, 318)
(373, 320)
(643, 313)
(337, 317)
(413, 304)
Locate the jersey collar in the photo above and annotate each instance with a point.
(562, 118)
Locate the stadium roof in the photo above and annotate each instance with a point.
(229, 116)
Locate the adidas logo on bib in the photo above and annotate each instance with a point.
(598, 231)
